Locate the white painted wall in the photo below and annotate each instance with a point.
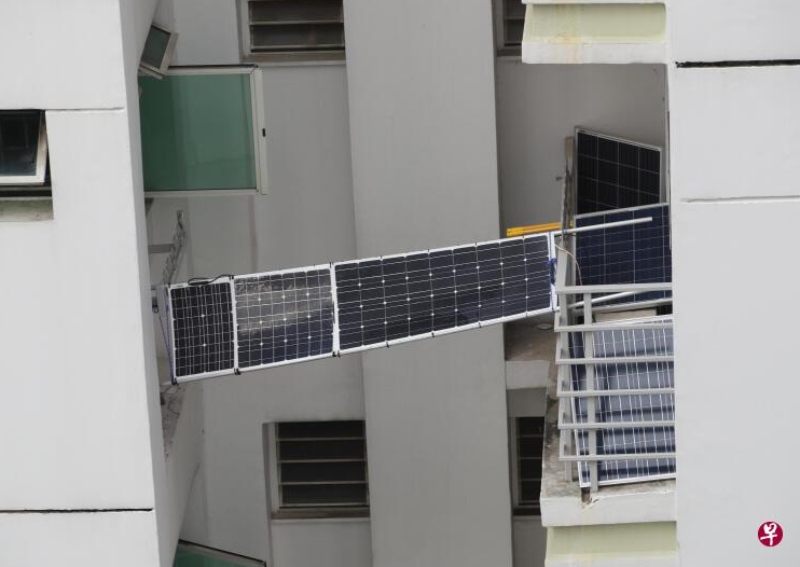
(320, 543)
(124, 539)
(530, 541)
(207, 31)
(422, 118)
(80, 356)
(540, 105)
(306, 219)
(719, 30)
(735, 210)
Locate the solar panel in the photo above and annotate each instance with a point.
(202, 329)
(269, 319)
(638, 253)
(613, 173)
(283, 317)
(611, 408)
(397, 298)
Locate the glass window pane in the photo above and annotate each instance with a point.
(19, 142)
(325, 494)
(155, 46)
(320, 429)
(314, 450)
(197, 132)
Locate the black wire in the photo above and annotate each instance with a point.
(207, 281)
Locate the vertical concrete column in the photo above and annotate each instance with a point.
(735, 138)
(422, 121)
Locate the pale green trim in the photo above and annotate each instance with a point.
(612, 541)
(595, 23)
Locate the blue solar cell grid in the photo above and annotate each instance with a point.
(615, 174)
(402, 297)
(638, 253)
(202, 329)
(614, 408)
(284, 317)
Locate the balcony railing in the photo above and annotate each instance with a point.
(615, 383)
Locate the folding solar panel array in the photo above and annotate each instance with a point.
(256, 321)
(612, 173)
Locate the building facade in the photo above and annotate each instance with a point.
(378, 128)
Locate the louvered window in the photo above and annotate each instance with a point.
(312, 29)
(529, 446)
(322, 464)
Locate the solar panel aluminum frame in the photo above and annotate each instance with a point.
(662, 189)
(173, 345)
(615, 211)
(553, 298)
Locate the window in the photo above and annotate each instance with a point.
(202, 130)
(292, 29)
(23, 148)
(511, 21)
(527, 468)
(322, 466)
(157, 51)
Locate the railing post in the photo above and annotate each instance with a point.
(591, 402)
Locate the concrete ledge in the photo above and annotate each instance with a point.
(594, 32)
(628, 545)
(26, 210)
(564, 503)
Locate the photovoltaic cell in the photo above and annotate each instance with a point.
(402, 297)
(638, 253)
(615, 174)
(652, 406)
(283, 317)
(202, 328)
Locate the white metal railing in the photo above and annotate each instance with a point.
(615, 382)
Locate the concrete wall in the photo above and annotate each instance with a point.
(540, 105)
(80, 365)
(424, 175)
(306, 219)
(735, 207)
(740, 30)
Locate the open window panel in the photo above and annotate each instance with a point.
(203, 131)
(157, 53)
(615, 173)
(189, 554)
(23, 152)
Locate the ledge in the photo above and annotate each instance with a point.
(15, 209)
(594, 32)
(563, 503)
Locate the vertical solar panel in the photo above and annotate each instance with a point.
(654, 405)
(638, 253)
(398, 298)
(283, 317)
(613, 173)
(202, 329)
